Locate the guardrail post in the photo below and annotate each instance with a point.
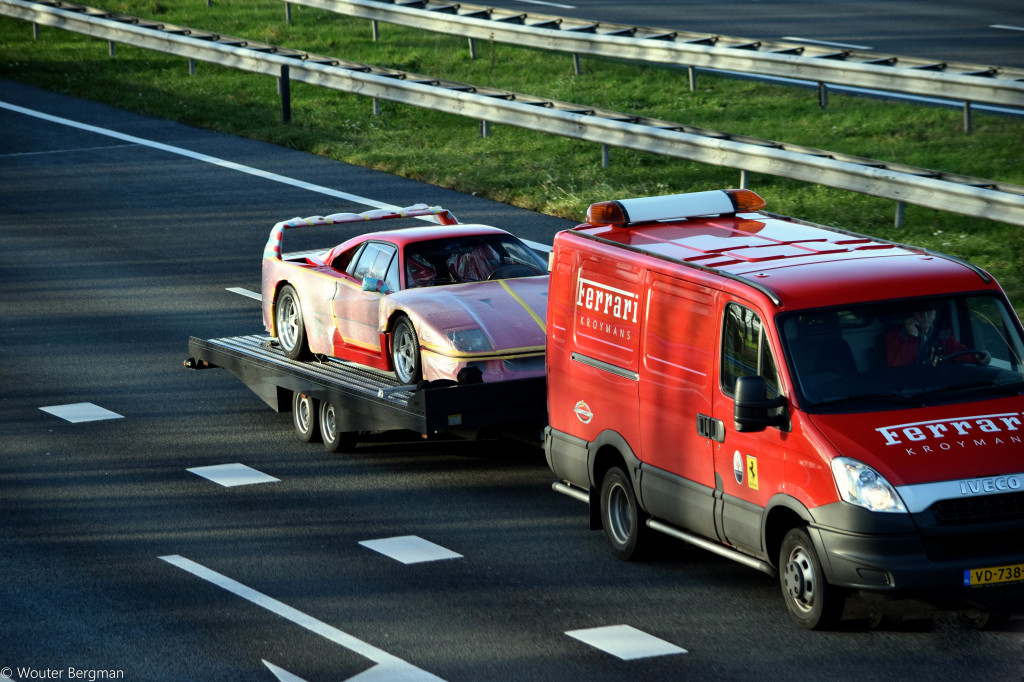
(605, 160)
(375, 30)
(191, 67)
(900, 210)
(35, 31)
(693, 78)
(376, 106)
(967, 117)
(472, 49)
(485, 128)
(744, 179)
(576, 64)
(285, 87)
(822, 95)
(288, 12)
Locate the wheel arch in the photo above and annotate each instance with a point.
(609, 450)
(783, 514)
(281, 284)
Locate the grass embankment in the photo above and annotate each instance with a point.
(541, 172)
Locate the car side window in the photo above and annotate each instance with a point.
(745, 350)
(377, 259)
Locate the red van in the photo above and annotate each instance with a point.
(838, 410)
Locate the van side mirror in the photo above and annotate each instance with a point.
(752, 408)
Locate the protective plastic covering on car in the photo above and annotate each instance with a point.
(273, 247)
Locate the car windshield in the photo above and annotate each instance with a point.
(904, 353)
(471, 258)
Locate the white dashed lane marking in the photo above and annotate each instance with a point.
(625, 642)
(230, 475)
(410, 549)
(245, 292)
(388, 667)
(81, 412)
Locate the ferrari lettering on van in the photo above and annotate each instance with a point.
(919, 433)
(607, 300)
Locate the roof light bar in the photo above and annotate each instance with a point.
(674, 206)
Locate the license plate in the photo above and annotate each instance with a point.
(994, 575)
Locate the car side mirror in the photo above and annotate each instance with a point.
(753, 409)
(375, 284)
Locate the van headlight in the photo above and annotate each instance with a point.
(861, 485)
(470, 340)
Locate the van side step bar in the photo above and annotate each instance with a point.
(572, 491)
(721, 550)
(718, 549)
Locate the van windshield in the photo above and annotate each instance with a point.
(903, 353)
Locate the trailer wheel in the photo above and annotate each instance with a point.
(291, 328)
(812, 602)
(333, 440)
(623, 520)
(304, 417)
(405, 352)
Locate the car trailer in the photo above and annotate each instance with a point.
(334, 401)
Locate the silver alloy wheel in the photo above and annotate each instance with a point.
(288, 321)
(405, 352)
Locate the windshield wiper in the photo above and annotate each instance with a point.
(1007, 389)
(863, 397)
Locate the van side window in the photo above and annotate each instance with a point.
(745, 350)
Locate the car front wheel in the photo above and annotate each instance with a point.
(405, 352)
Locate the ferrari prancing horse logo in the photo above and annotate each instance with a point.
(747, 469)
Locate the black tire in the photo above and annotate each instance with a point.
(405, 352)
(985, 620)
(625, 524)
(813, 603)
(304, 417)
(290, 325)
(333, 440)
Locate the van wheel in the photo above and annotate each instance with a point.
(623, 520)
(304, 410)
(333, 439)
(812, 602)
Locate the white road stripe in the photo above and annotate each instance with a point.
(625, 642)
(825, 43)
(354, 198)
(400, 669)
(231, 475)
(410, 549)
(81, 412)
(1007, 28)
(245, 292)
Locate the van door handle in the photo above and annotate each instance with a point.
(708, 427)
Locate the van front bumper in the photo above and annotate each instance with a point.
(905, 556)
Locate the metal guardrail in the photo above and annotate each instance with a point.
(905, 184)
(956, 81)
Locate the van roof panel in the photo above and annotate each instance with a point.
(804, 264)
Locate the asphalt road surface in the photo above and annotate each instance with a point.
(988, 32)
(120, 237)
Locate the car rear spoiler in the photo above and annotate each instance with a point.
(273, 248)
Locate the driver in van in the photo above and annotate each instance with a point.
(919, 342)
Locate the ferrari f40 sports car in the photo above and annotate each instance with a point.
(446, 301)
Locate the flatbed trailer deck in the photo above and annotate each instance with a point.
(365, 400)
